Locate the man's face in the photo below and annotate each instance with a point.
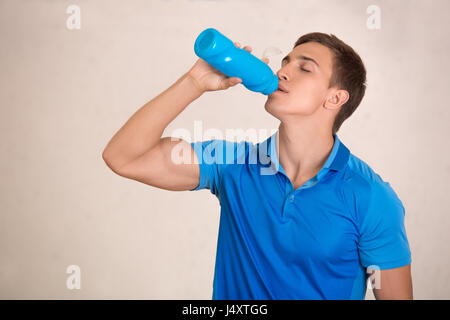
(306, 77)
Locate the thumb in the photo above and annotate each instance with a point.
(233, 81)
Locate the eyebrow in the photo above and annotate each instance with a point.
(300, 57)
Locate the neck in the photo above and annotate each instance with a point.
(303, 149)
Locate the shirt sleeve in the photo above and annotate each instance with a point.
(213, 156)
(383, 242)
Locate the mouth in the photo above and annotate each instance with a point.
(279, 91)
(281, 88)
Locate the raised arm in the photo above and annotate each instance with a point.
(137, 151)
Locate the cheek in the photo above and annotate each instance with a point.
(309, 91)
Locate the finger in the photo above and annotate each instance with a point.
(233, 81)
(266, 60)
(237, 44)
(248, 48)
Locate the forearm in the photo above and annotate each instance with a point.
(144, 129)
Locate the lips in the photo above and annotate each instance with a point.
(280, 91)
(282, 88)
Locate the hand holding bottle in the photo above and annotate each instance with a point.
(208, 78)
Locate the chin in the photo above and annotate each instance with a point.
(282, 110)
(278, 109)
(275, 109)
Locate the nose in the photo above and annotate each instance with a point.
(281, 74)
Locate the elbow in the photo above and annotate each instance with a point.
(109, 162)
(114, 163)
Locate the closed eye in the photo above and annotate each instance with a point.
(301, 68)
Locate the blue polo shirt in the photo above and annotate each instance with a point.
(314, 242)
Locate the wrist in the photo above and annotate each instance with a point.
(196, 87)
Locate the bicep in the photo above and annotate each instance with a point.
(172, 165)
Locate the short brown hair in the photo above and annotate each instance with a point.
(348, 72)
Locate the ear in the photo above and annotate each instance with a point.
(336, 99)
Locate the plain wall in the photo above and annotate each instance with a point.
(64, 93)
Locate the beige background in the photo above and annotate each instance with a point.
(64, 93)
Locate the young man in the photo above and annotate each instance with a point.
(313, 221)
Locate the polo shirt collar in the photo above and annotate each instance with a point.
(336, 160)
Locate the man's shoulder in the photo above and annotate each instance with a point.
(365, 183)
(359, 171)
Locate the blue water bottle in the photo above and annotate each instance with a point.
(222, 54)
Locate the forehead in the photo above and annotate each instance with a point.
(323, 55)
